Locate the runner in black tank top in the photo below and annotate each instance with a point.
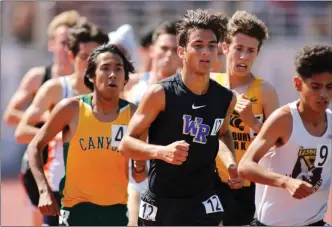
(186, 130)
(197, 120)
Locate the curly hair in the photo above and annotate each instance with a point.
(92, 63)
(248, 24)
(199, 19)
(83, 32)
(313, 59)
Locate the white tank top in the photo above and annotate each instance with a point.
(304, 157)
(139, 187)
(54, 168)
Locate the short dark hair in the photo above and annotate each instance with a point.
(165, 27)
(92, 64)
(145, 36)
(84, 32)
(248, 24)
(313, 59)
(224, 21)
(199, 19)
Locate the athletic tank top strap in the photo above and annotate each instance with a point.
(297, 121)
(142, 87)
(221, 78)
(47, 76)
(145, 76)
(48, 73)
(329, 121)
(67, 89)
(255, 89)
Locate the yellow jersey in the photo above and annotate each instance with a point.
(242, 134)
(95, 171)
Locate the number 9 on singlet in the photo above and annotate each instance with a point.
(322, 154)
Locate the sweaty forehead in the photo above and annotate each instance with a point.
(107, 58)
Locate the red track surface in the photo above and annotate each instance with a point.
(15, 209)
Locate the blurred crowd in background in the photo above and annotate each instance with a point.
(24, 41)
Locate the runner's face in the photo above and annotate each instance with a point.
(164, 53)
(316, 91)
(201, 51)
(241, 54)
(110, 75)
(59, 45)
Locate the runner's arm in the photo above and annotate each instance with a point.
(60, 117)
(23, 96)
(270, 103)
(226, 148)
(153, 102)
(276, 129)
(37, 111)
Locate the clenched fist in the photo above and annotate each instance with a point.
(175, 153)
(244, 108)
(234, 180)
(298, 189)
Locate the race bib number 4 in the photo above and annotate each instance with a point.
(147, 211)
(213, 205)
(118, 132)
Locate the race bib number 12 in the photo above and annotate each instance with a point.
(147, 211)
(213, 205)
